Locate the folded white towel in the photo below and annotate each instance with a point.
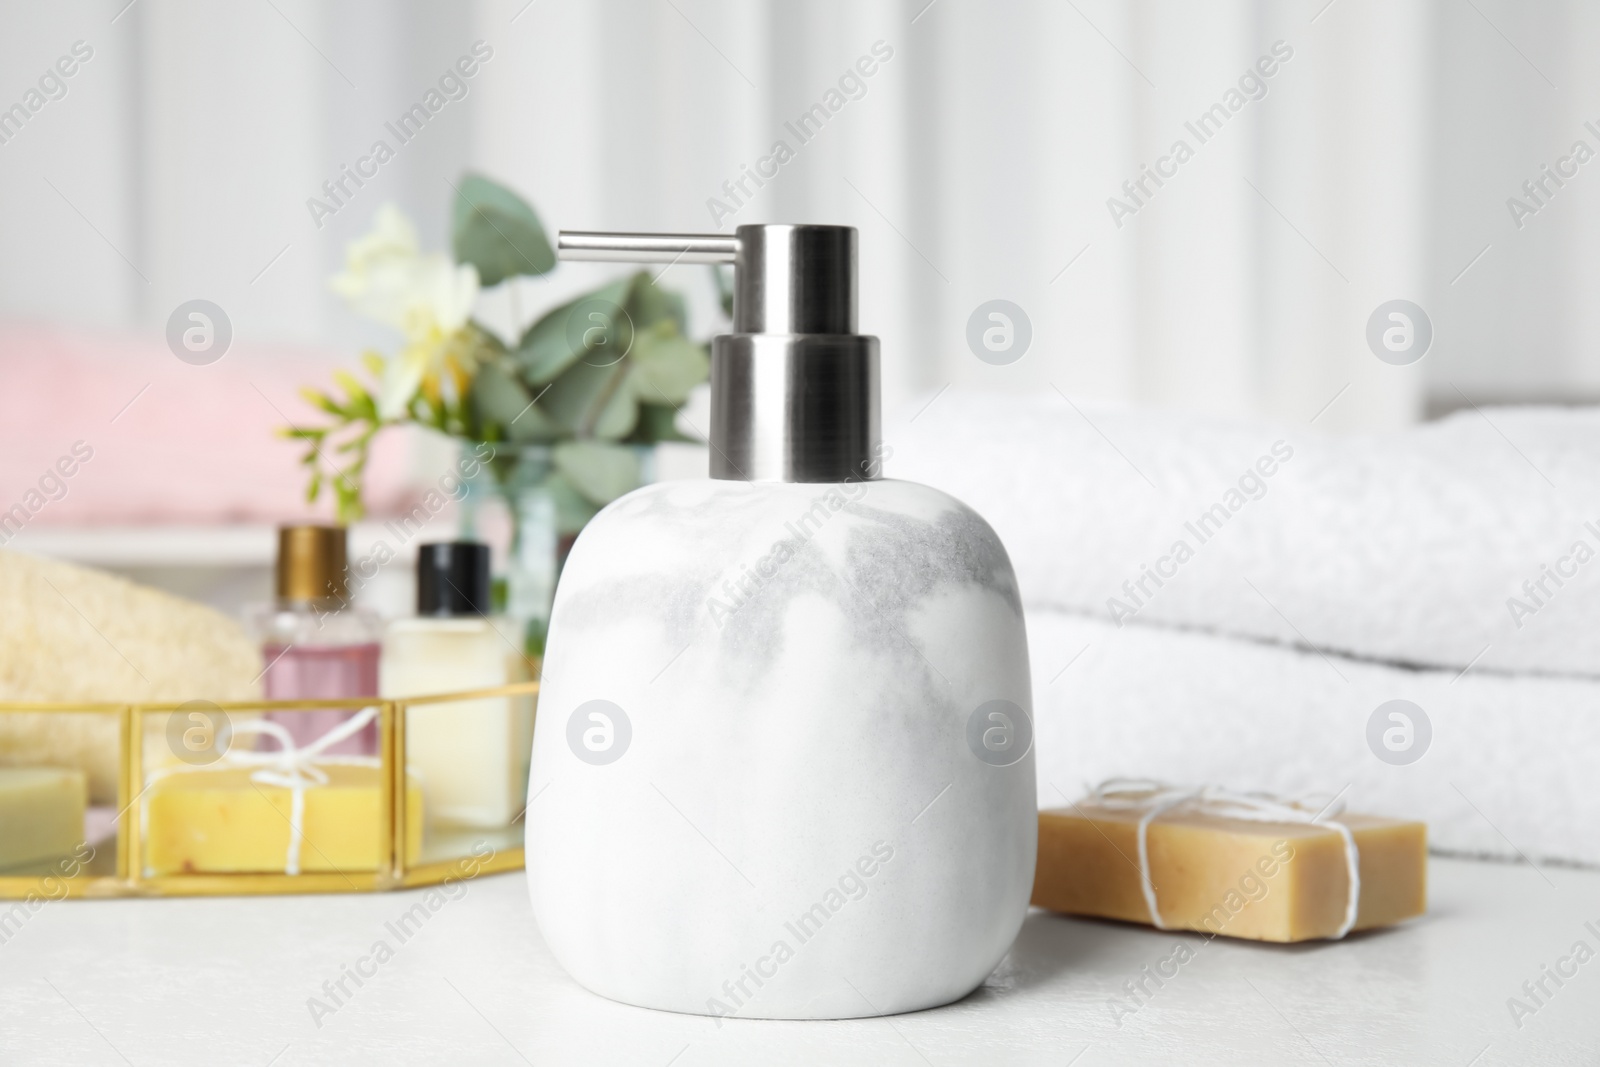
(1509, 770)
(1470, 541)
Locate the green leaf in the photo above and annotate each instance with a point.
(649, 304)
(593, 400)
(353, 389)
(501, 401)
(724, 289)
(349, 503)
(558, 340)
(321, 400)
(483, 344)
(497, 232)
(600, 472)
(667, 365)
(657, 422)
(497, 398)
(573, 511)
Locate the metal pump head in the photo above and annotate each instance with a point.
(794, 389)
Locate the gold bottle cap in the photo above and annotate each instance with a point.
(311, 562)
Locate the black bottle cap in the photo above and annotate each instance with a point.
(453, 578)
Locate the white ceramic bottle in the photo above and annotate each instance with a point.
(470, 755)
(783, 760)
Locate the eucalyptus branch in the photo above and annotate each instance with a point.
(553, 386)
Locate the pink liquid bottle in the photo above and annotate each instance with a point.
(314, 644)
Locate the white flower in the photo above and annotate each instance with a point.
(427, 297)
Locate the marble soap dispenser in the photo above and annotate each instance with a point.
(783, 764)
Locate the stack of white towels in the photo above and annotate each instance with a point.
(1230, 603)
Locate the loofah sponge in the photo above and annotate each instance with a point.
(74, 634)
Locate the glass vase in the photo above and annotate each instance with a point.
(545, 512)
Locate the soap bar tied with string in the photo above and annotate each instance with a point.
(291, 810)
(1247, 865)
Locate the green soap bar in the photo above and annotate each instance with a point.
(41, 813)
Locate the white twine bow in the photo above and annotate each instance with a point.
(1154, 799)
(291, 767)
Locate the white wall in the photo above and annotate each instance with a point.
(62, 249)
(192, 140)
(1513, 94)
(977, 165)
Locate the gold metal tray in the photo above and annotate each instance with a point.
(124, 875)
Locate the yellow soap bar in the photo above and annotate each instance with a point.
(220, 821)
(1259, 880)
(41, 813)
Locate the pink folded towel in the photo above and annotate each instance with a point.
(112, 428)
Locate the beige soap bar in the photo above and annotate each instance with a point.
(1259, 880)
(41, 813)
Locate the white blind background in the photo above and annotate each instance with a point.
(977, 165)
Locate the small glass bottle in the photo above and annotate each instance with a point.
(471, 755)
(314, 644)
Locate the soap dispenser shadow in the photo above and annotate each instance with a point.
(784, 751)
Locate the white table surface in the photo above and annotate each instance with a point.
(226, 981)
